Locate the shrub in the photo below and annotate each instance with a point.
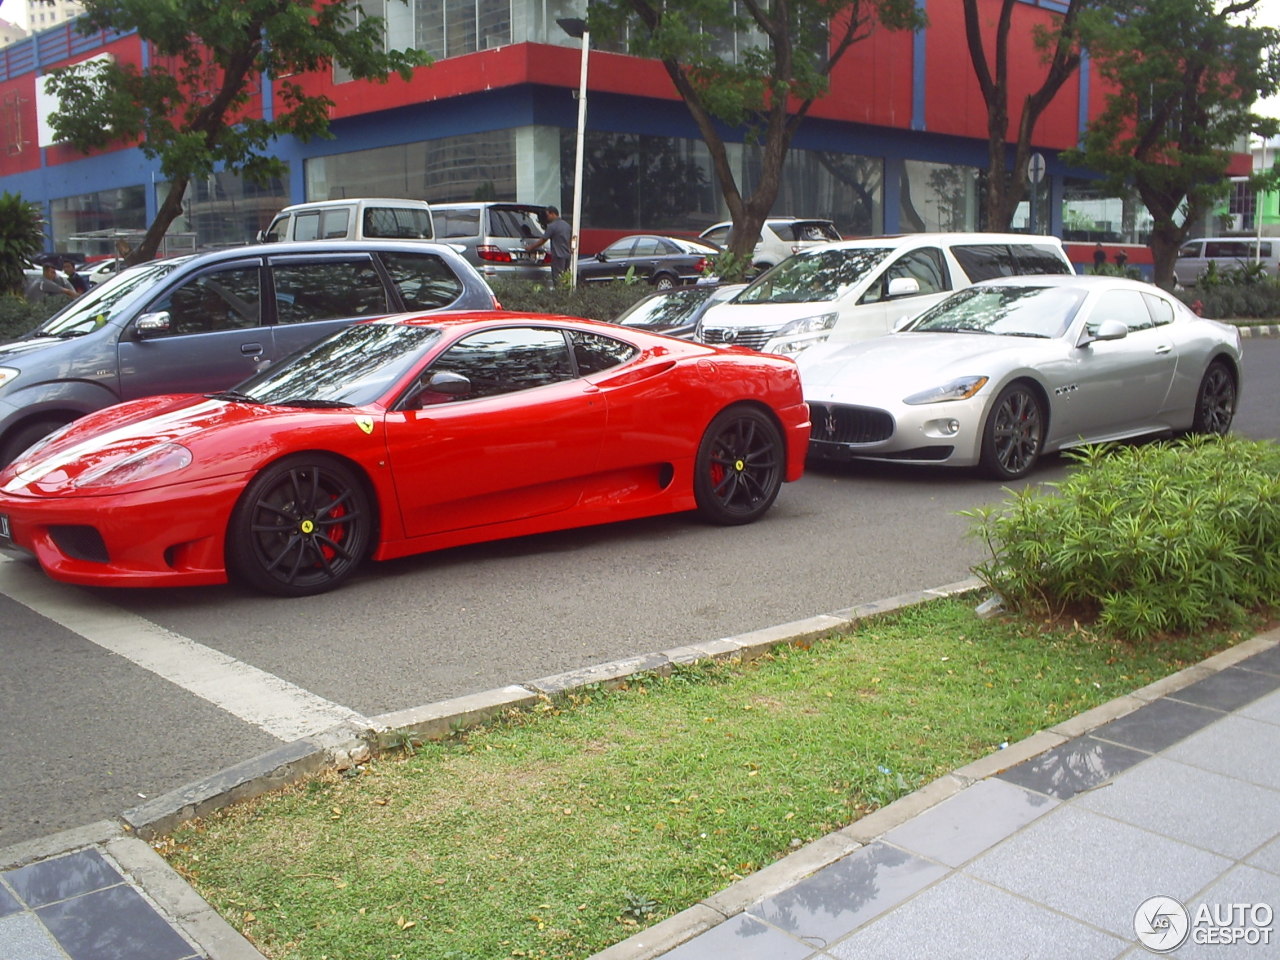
(1163, 537)
(594, 301)
(21, 236)
(18, 316)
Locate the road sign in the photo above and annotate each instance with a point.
(1036, 168)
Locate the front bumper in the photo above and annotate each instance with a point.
(168, 536)
(939, 433)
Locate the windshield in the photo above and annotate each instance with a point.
(1005, 311)
(667, 310)
(810, 277)
(99, 306)
(354, 367)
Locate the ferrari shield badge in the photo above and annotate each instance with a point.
(365, 424)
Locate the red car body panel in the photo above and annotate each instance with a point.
(613, 446)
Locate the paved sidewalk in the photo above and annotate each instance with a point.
(1045, 849)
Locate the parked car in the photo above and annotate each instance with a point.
(356, 218)
(206, 322)
(100, 270)
(493, 237)
(665, 262)
(1007, 370)
(780, 237)
(398, 436)
(676, 312)
(861, 288)
(1225, 254)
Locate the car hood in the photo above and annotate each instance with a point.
(899, 364)
(224, 439)
(17, 348)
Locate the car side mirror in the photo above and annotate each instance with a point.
(452, 384)
(601, 257)
(153, 324)
(1107, 330)
(261, 236)
(903, 287)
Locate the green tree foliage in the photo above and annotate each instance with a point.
(1185, 75)
(989, 53)
(192, 106)
(752, 66)
(21, 236)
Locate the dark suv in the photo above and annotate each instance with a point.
(204, 323)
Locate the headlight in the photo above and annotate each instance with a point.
(144, 465)
(960, 389)
(808, 325)
(7, 376)
(799, 335)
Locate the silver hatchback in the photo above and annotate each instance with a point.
(206, 322)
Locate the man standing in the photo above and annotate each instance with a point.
(560, 237)
(77, 280)
(49, 283)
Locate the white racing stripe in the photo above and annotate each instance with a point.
(280, 708)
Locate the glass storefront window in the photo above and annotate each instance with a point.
(938, 197)
(1090, 216)
(224, 210)
(90, 223)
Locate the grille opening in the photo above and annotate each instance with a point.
(80, 542)
(838, 423)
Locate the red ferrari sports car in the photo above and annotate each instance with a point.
(403, 435)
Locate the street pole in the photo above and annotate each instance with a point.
(576, 27)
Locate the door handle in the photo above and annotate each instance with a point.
(251, 349)
(1164, 348)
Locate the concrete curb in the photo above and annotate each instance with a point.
(1259, 330)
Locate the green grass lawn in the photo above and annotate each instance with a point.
(560, 830)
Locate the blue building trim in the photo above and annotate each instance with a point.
(918, 76)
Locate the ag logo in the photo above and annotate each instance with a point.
(1162, 924)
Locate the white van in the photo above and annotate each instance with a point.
(369, 218)
(1226, 254)
(857, 289)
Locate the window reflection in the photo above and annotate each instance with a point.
(806, 277)
(504, 361)
(1007, 311)
(328, 290)
(228, 299)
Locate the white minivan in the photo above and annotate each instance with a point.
(1224, 254)
(356, 218)
(855, 289)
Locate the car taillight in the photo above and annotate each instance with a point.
(701, 265)
(493, 254)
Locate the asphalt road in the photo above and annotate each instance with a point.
(87, 732)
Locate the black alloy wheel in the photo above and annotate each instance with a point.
(1014, 433)
(301, 527)
(1215, 401)
(739, 468)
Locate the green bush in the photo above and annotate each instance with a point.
(18, 316)
(1243, 293)
(1143, 540)
(594, 301)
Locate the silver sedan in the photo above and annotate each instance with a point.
(1004, 371)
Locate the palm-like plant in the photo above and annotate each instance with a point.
(21, 236)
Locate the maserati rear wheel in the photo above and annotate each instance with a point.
(1215, 401)
(301, 527)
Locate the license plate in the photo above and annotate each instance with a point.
(4, 527)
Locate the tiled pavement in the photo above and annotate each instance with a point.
(1045, 850)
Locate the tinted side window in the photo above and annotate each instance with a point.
(985, 261)
(504, 361)
(594, 353)
(1190, 250)
(1038, 260)
(403, 223)
(334, 224)
(1161, 309)
(926, 266)
(218, 300)
(456, 223)
(1225, 248)
(279, 230)
(306, 226)
(328, 290)
(718, 236)
(649, 247)
(1127, 306)
(424, 280)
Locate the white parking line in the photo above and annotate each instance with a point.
(280, 708)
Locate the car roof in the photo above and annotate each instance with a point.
(301, 247)
(1084, 281)
(315, 204)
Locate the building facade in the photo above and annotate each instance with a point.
(898, 145)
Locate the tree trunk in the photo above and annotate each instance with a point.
(168, 212)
